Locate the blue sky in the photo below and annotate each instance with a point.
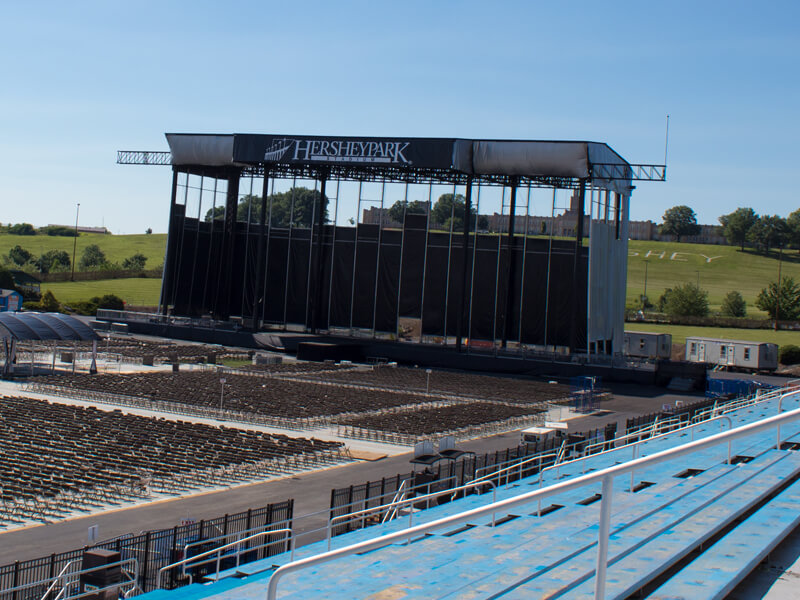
(82, 80)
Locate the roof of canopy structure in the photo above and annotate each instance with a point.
(37, 326)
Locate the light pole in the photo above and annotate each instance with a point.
(75, 242)
(778, 288)
(221, 391)
(645, 280)
(428, 382)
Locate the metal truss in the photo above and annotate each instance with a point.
(139, 157)
(632, 172)
(600, 171)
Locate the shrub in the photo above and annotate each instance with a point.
(789, 354)
(52, 261)
(60, 230)
(786, 299)
(135, 262)
(19, 255)
(49, 302)
(92, 257)
(110, 301)
(22, 229)
(686, 300)
(84, 307)
(734, 305)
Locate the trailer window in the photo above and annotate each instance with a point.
(747, 353)
(641, 343)
(693, 348)
(723, 351)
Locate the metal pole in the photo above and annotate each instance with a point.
(355, 255)
(524, 255)
(549, 257)
(464, 258)
(497, 270)
(512, 217)
(333, 249)
(269, 235)
(378, 259)
(221, 391)
(196, 242)
(602, 538)
(400, 269)
(179, 250)
(247, 281)
(258, 296)
(449, 257)
(289, 252)
(474, 258)
(425, 264)
(210, 246)
(309, 318)
(75, 241)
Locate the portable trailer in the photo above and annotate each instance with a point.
(760, 356)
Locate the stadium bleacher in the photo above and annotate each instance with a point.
(713, 504)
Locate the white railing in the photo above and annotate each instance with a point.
(194, 562)
(412, 501)
(604, 476)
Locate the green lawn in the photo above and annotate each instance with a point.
(136, 290)
(679, 333)
(116, 247)
(719, 269)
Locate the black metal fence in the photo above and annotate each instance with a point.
(158, 548)
(451, 474)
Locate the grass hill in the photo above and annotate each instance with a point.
(116, 247)
(719, 269)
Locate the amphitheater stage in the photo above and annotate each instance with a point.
(422, 355)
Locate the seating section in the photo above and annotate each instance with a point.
(467, 385)
(59, 458)
(672, 524)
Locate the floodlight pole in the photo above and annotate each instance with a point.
(75, 242)
(778, 287)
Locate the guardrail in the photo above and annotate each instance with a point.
(604, 476)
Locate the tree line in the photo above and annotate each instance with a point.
(54, 261)
(297, 206)
(743, 227)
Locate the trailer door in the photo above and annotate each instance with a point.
(731, 360)
(701, 352)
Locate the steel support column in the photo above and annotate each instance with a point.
(258, 299)
(580, 209)
(512, 209)
(464, 301)
(229, 243)
(169, 252)
(318, 260)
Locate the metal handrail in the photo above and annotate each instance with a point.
(537, 457)
(605, 476)
(399, 496)
(217, 550)
(201, 542)
(414, 500)
(64, 576)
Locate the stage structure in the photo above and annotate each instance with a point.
(259, 232)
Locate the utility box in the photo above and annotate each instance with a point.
(100, 578)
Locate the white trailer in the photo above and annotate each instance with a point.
(761, 356)
(646, 344)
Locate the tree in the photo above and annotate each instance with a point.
(686, 300)
(6, 279)
(448, 212)
(149, 230)
(769, 231)
(733, 305)
(52, 260)
(135, 262)
(298, 204)
(737, 224)
(784, 301)
(19, 256)
(679, 221)
(22, 229)
(398, 210)
(49, 302)
(793, 225)
(92, 257)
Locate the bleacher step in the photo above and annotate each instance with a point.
(716, 572)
